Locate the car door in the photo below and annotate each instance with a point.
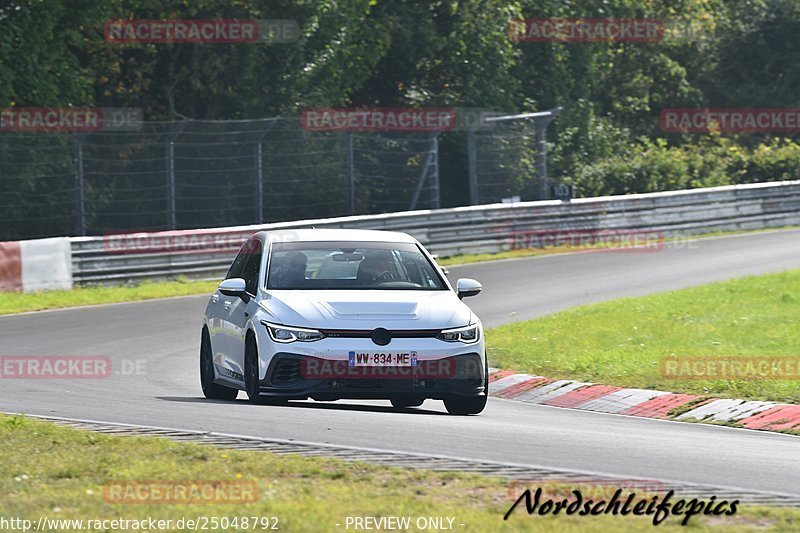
(219, 308)
(239, 311)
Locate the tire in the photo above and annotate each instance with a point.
(251, 369)
(211, 390)
(251, 375)
(470, 405)
(405, 403)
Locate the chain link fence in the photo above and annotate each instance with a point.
(508, 157)
(199, 174)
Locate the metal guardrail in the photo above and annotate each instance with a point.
(476, 229)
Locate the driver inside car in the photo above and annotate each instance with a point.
(298, 262)
(377, 266)
(289, 271)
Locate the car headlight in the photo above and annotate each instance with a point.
(286, 334)
(466, 335)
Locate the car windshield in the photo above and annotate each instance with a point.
(351, 265)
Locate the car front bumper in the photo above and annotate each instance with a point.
(300, 376)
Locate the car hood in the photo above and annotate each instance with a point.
(366, 309)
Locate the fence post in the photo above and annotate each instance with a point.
(80, 189)
(259, 177)
(472, 161)
(541, 162)
(433, 147)
(171, 222)
(541, 124)
(259, 181)
(429, 161)
(351, 185)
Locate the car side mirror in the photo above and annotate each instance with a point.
(467, 287)
(235, 287)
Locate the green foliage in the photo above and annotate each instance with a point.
(41, 59)
(778, 160)
(717, 53)
(15, 421)
(650, 166)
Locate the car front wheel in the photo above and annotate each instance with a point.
(465, 406)
(470, 405)
(251, 369)
(251, 384)
(404, 403)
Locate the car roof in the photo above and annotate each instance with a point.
(322, 235)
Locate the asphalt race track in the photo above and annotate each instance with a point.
(162, 337)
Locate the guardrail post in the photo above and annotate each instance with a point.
(171, 222)
(80, 189)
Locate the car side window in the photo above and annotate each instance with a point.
(235, 271)
(254, 252)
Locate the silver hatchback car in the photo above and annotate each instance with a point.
(334, 314)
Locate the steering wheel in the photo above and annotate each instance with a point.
(384, 276)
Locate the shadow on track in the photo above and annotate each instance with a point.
(301, 404)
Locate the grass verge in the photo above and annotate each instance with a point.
(17, 302)
(623, 342)
(60, 473)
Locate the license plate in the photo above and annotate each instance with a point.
(382, 359)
